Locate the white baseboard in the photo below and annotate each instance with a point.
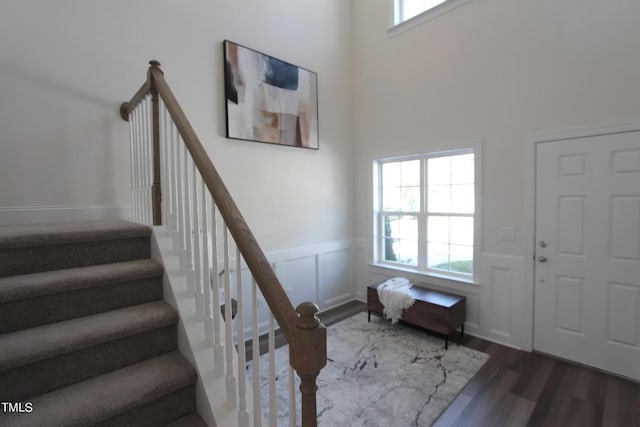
(15, 215)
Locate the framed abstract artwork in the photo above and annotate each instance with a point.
(269, 100)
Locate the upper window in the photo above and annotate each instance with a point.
(406, 14)
(426, 212)
(407, 9)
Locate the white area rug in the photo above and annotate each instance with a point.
(378, 374)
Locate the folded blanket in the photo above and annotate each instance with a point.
(394, 296)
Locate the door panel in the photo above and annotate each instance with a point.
(587, 274)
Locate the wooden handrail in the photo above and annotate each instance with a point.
(301, 327)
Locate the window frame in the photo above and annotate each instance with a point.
(378, 240)
(397, 26)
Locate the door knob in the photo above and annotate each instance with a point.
(542, 258)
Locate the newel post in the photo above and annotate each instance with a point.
(308, 356)
(156, 192)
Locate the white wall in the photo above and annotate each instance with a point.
(494, 70)
(66, 66)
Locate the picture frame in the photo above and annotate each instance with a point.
(269, 100)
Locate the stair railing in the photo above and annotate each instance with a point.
(175, 182)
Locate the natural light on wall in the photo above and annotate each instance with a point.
(407, 9)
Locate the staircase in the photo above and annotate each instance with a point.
(85, 337)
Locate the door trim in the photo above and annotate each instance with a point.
(530, 142)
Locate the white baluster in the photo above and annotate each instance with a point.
(139, 111)
(139, 118)
(149, 157)
(218, 354)
(292, 397)
(255, 356)
(180, 196)
(175, 194)
(145, 162)
(164, 169)
(131, 157)
(134, 164)
(162, 156)
(188, 231)
(273, 415)
(243, 414)
(228, 327)
(206, 274)
(168, 192)
(197, 257)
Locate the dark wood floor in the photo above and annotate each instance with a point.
(516, 388)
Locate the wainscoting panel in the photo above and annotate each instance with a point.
(299, 277)
(361, 258)
(502, 310)
(320, 273)
(336, 285)
(500, 284)
(473, 322)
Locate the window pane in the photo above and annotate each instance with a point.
(438, 256)
(401, 239)
(390, 248)
(462, 169)
(461, 259)
(402, 227)
(411, 8)
(408, 252)
(410, 173)
(462, 231)
(390, 175)
(439, 198)
(438, 229)
(410, 199)
(401, 186)
(386, 225)
(391, 199)
(462, 198)
(439, 170)
(401, 251)
(408, 226)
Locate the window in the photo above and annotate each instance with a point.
(406, 14)
(425, 209)
(407, 9)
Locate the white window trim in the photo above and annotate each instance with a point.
(476, 148)
(421, 18)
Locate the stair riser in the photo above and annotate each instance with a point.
(27, 381)
(15, 261)
(28, 313)
(159, 412)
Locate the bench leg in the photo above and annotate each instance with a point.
(462, 330)
(446, 343)
(368, 315)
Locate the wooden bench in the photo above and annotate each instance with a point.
(433, 310)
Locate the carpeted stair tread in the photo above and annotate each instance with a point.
(42, 342)
(33, 285)
(20, 236)
(100, 398)
(38, 248)
(191, 420)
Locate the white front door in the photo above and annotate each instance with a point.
(587, 256)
